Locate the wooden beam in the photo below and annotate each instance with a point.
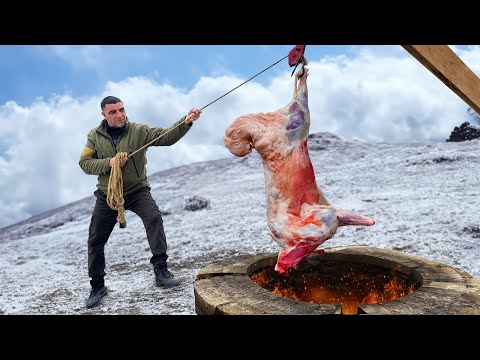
(450, 69)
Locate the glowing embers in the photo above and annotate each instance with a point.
(226, 287)
(334, 282)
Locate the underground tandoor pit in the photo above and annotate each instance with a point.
(337, 282)
(346, 280)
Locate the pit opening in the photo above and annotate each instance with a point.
(355, 279)
(335, 282)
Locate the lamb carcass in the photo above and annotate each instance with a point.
(299, 216)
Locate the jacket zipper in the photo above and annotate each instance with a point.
(135, 166)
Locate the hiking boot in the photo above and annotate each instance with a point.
(95, 296)
(163, 277)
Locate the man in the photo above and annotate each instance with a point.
(116, 134)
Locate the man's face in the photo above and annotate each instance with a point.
(115, 114)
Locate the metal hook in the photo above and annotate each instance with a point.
(304, 62)
(294, 69)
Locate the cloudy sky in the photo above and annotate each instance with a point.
(50, 96)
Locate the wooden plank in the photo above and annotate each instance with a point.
(450, 69)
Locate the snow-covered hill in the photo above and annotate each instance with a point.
(424, 197)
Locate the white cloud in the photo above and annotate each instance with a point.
(370, 97)
(79, 56)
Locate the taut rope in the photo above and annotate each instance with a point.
(115, 182)
(151, 142)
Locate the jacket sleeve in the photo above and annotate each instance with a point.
(170, 135)
(88, 161)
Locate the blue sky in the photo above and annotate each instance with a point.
(50, 96)
(28, 72)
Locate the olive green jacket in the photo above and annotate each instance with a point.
(95, 157)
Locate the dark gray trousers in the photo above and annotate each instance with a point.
(104, 220)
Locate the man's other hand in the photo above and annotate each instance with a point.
(122, 163)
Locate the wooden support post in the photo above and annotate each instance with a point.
(450, 69)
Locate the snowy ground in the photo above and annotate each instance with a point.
(424, 198)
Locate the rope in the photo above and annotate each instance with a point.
(115, 183)
(245, 82)
(165, 133)
(115, 188)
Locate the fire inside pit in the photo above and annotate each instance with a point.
(344, 280)
(336, 282)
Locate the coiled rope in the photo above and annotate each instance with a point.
(115, 183)
(115, 188)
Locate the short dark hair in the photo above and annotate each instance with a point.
(109, 100)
